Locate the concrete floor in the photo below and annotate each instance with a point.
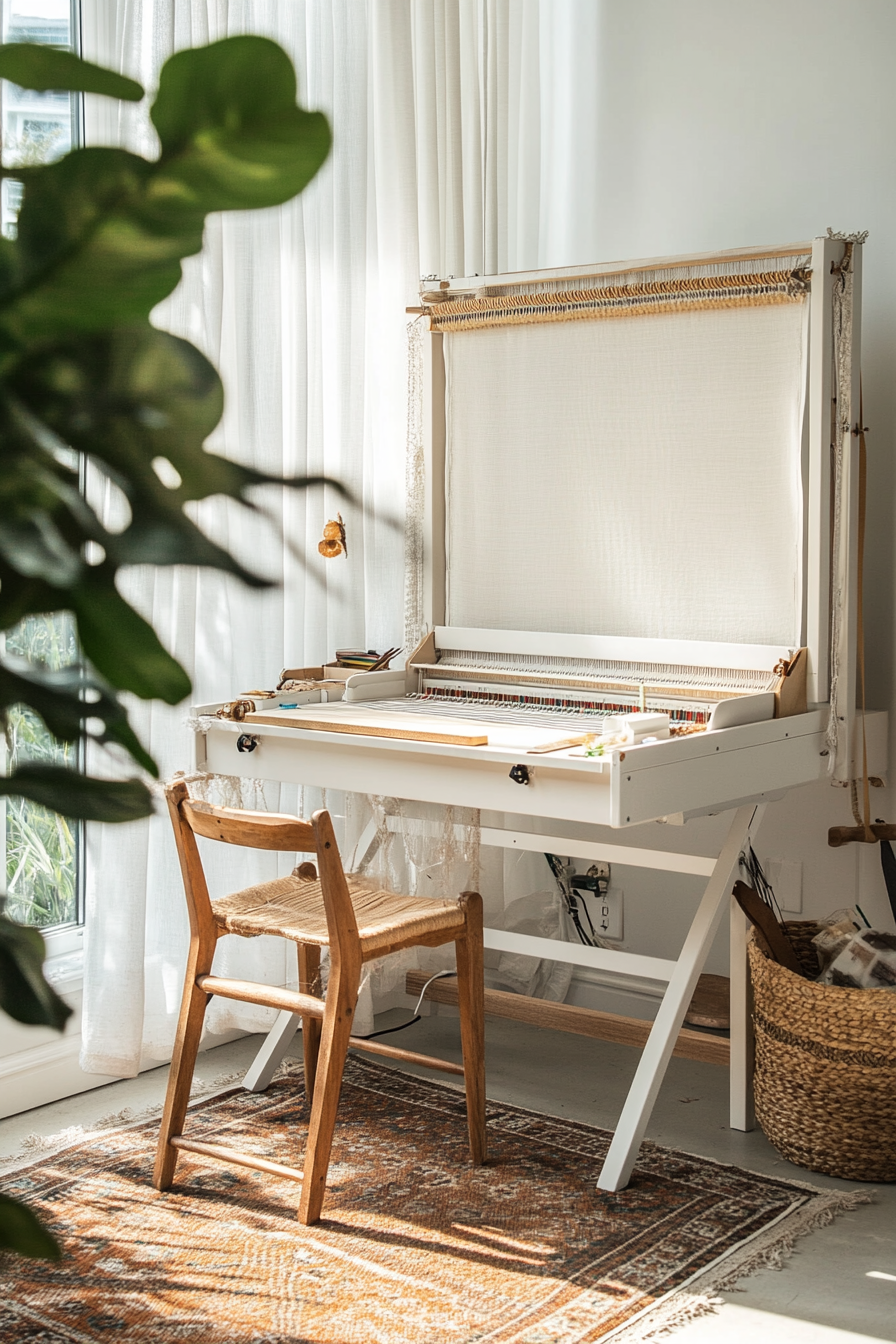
(839, 1287)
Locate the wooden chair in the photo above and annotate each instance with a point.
(357, 922)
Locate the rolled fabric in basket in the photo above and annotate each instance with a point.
(867, 960)
(825, 1073)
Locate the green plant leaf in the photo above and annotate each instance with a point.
(232, 135)
(80, 796)
(23, 597)
(22, 1231)
(91, 255)
(129, 398)
(36, 66)
(102, 232)
(121, 645)
(65, 699)
(24, 993)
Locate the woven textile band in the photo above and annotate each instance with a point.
(631, 300)
(868, 1058)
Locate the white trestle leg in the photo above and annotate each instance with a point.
(620, 1159)
(276, 1044)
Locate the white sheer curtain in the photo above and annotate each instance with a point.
(445, 160)
(302, 310)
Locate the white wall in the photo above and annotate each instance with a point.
(697, 124)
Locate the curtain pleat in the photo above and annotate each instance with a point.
(437, 108)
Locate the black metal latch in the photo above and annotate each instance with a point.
(520, 774)
(246, 742)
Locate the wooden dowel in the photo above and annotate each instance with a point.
(483, 282)
(222, 1154)
(845, 835)
(579, 1021)
(409, 1056)
(247, 991)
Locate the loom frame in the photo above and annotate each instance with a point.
(739, 769)
(826, 254)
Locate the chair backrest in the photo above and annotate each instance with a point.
(257, 830)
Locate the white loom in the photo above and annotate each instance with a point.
(640, 493)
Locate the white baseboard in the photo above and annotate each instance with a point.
(47, 1073)
(51, 1072)
(628, 995)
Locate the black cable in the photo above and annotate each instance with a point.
(386, 1031)
(588, 917)
(570, 900)
(759, 882)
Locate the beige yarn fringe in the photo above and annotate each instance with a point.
(633, 300)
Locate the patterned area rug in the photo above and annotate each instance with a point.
(415, 1246)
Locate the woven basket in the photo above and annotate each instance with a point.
(825, 1078)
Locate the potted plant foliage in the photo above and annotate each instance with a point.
(84, 376)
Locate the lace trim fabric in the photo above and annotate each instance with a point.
(414, 492)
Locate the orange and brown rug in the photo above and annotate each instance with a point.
(415, 1245)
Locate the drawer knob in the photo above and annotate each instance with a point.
(520, 774)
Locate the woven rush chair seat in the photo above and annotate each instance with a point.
(293, 907)
(316, 907)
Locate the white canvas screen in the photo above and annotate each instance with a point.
(638, 476)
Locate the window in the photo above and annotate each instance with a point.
(42, 848)
(36, 127)
(40, 851)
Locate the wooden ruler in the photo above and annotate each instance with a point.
(365, 729)
(560, 744)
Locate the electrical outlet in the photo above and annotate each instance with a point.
(606, 913)
(786, 878)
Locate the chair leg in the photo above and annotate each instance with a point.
(309, 983)
(471, 1003)
(183, 1061)
(342, 998)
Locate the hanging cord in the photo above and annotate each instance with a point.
(386, 1031)
(865, 819)
(757, 879)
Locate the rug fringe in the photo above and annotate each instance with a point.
(769, 1249)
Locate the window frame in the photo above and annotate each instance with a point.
(66, 939)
